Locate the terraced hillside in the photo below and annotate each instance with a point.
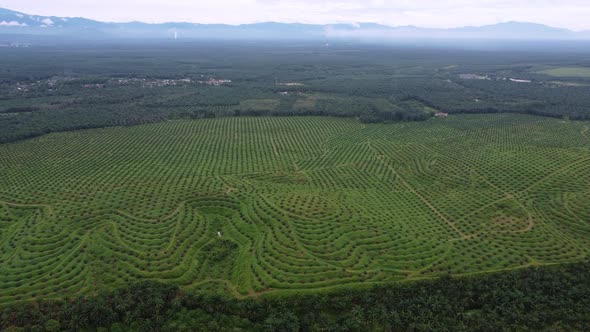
(254, 205)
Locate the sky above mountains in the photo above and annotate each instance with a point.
(571, 14)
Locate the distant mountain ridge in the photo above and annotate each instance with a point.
(16, 23)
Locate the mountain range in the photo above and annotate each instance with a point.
(18, 24)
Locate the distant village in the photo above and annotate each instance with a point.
(152, 83)
(54, 83)
(16, 45)
(489, 78)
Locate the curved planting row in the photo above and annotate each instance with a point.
(251, 205)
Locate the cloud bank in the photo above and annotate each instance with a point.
(12, 24)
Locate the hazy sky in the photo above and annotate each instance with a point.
(573, 14)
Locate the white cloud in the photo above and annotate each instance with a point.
(571, 14)
(47, 21)
(12, 24)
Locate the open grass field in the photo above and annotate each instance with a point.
(249, 206)
(567, 72)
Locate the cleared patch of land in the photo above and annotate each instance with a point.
(247, 206)
(307, 101)
(567, 72)
(572, 84)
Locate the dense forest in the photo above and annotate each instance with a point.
(553, 298)
(48, 89)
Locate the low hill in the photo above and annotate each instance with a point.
(12, 22)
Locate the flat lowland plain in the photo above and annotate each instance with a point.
(250, 206)
(567, 72)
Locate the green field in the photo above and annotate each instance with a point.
(301, 203)
(567, 72)
(259, 104)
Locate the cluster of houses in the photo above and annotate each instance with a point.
(487, 77)
(16, 44)
(151, 83)
(215, 81)
(93, 86)
(49, 84)
(474, 77)
(52, 83)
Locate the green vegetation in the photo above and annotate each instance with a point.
(555, 298)
(567, 72)
(254, 105)
(267, 205)
(227, 186)
(82, 87)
